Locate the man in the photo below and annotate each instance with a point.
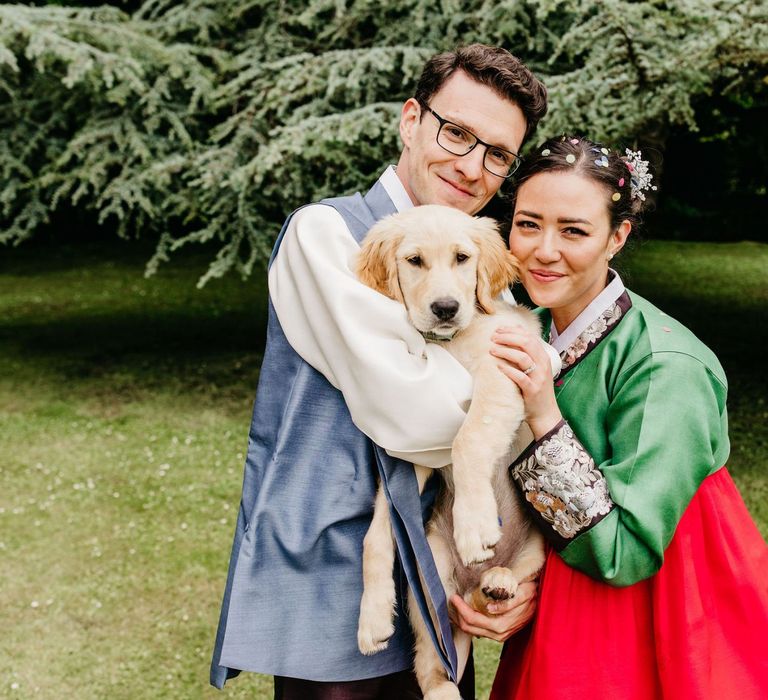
(349, 391)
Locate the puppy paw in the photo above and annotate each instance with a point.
(498, 583)
(373, 637)
(476, 531)
(444, 691)
(375, 625)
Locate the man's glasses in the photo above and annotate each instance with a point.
(457, 140)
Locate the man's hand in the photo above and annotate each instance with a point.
(509, 616)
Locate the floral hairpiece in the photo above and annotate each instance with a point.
(639, 178)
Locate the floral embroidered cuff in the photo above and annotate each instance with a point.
(563, 488)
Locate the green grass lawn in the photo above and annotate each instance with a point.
(124, 411)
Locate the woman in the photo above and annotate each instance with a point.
(655, 585)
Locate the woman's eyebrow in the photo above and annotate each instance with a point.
(574, 221)
(533, 215)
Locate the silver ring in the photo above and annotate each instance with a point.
(530, 369)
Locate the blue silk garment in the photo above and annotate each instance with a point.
(292, 596)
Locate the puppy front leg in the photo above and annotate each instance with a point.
(483, 440)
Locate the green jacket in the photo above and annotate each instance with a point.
(645, 423)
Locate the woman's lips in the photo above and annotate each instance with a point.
(545, 275)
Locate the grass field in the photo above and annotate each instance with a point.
(124, 410)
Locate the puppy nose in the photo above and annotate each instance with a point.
(445, 309)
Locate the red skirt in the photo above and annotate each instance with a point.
(696, 629)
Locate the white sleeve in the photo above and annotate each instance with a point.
(409, 396)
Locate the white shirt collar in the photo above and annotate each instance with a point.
(613, 290)
(395, 189)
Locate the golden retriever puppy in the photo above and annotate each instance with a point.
(448, 269)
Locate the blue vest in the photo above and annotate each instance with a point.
(292, 597)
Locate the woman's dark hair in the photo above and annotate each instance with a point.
(494, 67)
(607, 167)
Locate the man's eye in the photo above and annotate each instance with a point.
(414, 260)
(461, 257)
(455, 133)
(500, 157)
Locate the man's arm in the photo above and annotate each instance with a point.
(407, 395)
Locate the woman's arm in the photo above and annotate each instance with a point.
(612, 518)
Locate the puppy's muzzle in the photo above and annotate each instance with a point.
(444, 309)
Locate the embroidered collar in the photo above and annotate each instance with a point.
(591, 325)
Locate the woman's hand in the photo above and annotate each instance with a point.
(510, 616)
(525, 361)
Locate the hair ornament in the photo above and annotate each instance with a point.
(604, 151)
(602, 161)
(574, 141)
(616, 196)
(640, 180)
(570, 158)
(621, 182)
(546, 152)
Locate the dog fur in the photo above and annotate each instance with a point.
(448, 269)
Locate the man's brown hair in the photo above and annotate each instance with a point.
(493, 66)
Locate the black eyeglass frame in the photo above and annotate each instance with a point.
(442, 122)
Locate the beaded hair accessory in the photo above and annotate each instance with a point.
(639, 178)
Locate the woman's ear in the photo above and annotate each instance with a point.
(497, 268)
(619, 238)
(377, 263)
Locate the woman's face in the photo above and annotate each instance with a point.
(561, 235)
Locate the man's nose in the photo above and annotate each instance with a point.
(470, 165)
(445, 309)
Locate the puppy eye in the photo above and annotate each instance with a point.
(415, 260)
(461, 257)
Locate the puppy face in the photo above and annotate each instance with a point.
(444, 265)
(437, 272)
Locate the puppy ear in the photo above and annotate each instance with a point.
(497, 268)
(376, 264)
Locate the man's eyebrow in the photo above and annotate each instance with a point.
(472, 130)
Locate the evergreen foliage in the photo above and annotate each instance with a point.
(211, 119)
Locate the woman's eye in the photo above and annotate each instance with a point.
(414, 260)
(525, 224)
(573, 231)
(461, 257)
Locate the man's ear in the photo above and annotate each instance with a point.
(377, 263)
(409, 118)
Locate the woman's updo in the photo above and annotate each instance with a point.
(625, 178)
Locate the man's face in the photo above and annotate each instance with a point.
(430, 174)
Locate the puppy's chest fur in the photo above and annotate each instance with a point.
(471, 348)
